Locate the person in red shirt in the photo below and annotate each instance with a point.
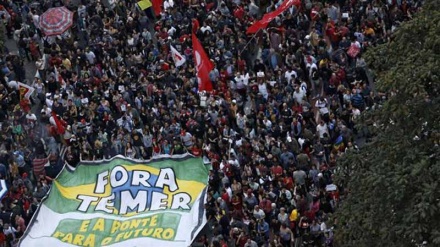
(297, 108)
(227, 169)
(288, 181)
(262, 169)
(196, 151)
(163, 34)
(333, 83)
(223, 75)
(241, 65)
(242, 239)
(266, 205)
(164, 66)
(183, 38)
(332, 33)
(343, 30)
(236, 202)
(2, 238)
(239, 12)
(314, 13)
(54, 60)
(340, 73)
(225, 195)
(276, 171)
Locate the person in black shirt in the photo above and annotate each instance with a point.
(177, 147)
(52, 85)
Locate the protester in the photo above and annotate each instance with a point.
(282, 110)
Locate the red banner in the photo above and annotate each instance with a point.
(203, 65)
(267, 18)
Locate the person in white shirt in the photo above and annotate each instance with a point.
(229, 191)
(187, 139)
(356, 43)
(90, 56)
(323, 226)
(250, 243)
(233, 160)
(31, 116)
(168, 4)
(323, 112)
(267, 123)
(290, 75)
(206, 28)
(262, 88)
(36, 20)
(299, 94)
(355, 113)
(311, 67)
(13, 85)
(241, 80)
(304, 86)
(9, 230)
(171, 32)
(322, 128)
(82, 10)
(258, 213)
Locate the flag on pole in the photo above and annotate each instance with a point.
(203, 65)
(58, 123)
(3, 188)
(37, 75)
(267, 18)
(157, 6)
(144, 4)
(339, 144)
(178, 59)
(59, 78)
(25, 91)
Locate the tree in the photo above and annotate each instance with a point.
(392, 184)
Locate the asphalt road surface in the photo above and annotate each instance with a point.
(28, 66)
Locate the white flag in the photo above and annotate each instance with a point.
(25, 90)
(178, 59)
(37, 74)
(59, 78)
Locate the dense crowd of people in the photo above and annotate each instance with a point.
(283, 109)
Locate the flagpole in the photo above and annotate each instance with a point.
(247, 44)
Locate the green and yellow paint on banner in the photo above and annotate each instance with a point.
(108, 202)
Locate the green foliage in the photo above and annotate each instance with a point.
(393, 183)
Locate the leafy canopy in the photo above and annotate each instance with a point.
(393, 183)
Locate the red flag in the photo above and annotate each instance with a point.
(203, 65)
(267, 18)
(261, 24)
(195, 25)
(157, 6)
(59, 125)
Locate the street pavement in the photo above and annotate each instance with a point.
(28, 66)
